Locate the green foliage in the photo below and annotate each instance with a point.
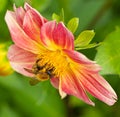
(18, 2)
(88, 46)
(24, 100)
(19, 99)
(2, 4)
(73, 24)
(83, 40)
(108, 55)
(56, 17)
(60, 17)
(43, 4)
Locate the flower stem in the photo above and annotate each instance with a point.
(107, 5)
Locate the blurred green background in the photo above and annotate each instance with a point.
(19, 99)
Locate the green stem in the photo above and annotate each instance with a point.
(107, 5)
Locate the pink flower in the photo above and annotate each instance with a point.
(45, 50)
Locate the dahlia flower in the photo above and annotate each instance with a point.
(44, 50)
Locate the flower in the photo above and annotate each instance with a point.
(45, 50)
(5, 68)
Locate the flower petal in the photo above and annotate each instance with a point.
(31, 28)
(19, 12)
(84, 75)
(56, 36)
(55, 82)
(77, 57)
(32, 24)
(18, 35)
(83, 61)
(63, 37)
(98, 87)
(28, 7)
(21, 60)
(70, 84)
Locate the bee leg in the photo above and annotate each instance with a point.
(28, 70)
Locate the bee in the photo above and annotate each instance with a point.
(41, 72)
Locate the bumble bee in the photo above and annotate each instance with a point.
(41, 72)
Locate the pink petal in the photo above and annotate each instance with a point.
(55, 36)
(71, 85)
(77, 57)
(32, 24)
(63, 37)
(28, 7)
(21, 59)
(19, 12)
(18, 35)
(62, 93)
(84, 75)
(98, 87)
(55, 82)
(84, 62)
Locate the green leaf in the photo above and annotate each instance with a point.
(88, 46)
(55, 17)
(60, 17)
(73, 24)
(108, 55)
(84, 38)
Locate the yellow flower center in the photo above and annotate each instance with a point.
(50, 64)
